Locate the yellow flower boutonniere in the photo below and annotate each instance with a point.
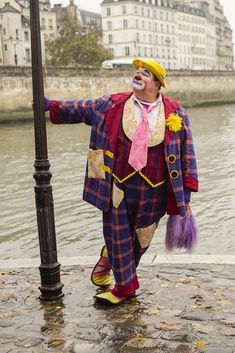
(174, 122)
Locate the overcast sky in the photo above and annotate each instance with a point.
(94, 5)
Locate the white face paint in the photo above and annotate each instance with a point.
(137, 84)
(141, 78)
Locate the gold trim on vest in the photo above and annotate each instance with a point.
(108, 170)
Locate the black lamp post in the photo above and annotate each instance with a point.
(51, 287)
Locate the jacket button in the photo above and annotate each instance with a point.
(174, 174)
(171, 158)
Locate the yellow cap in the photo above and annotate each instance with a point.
(154, 67)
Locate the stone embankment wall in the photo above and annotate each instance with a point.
(191, 88)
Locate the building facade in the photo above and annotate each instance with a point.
(223, 34)
(179, 34)
(73, 14)
(15, 41)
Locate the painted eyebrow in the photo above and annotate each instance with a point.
(145, 71)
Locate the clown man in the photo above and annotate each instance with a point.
(141, 165)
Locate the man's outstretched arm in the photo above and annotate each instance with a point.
(76, 111)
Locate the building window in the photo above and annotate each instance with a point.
(123, 9)
(111, 51)
(5, 47)
(142, 11)
(124, 23)
(108, 11)
(4, 31)
(109, 25)
(137, 37)
(50, 24)
(135, 10)
(110, 38)
(26, 36)
(17, 34)
(127, 51)
(27, 55)
(43, 23)
(137, 23)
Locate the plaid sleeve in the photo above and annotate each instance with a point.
(78, 111)
(188, 159)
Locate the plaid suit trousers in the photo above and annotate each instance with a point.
(141, 206)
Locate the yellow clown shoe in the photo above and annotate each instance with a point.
(100, 275)
(109, 298)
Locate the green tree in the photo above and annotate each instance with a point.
(76, 46)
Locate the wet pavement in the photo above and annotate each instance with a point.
(180, 308)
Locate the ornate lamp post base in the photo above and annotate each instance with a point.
(51, 287)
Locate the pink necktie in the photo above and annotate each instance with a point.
(139, 147)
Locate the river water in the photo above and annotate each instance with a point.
(79, 225)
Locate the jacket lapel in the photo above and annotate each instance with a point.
(170, 106)
(113, 117)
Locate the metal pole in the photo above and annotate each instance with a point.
(51, 287)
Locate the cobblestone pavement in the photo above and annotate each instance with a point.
(179, 309)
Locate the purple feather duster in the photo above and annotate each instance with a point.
(173, 231)
(181, 232)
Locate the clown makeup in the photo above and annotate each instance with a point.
(141, 78)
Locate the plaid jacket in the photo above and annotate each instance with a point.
(104, 116)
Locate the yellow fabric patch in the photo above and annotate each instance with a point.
(117, 196)
(95, 164)
(109, 154)
(145, 235)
